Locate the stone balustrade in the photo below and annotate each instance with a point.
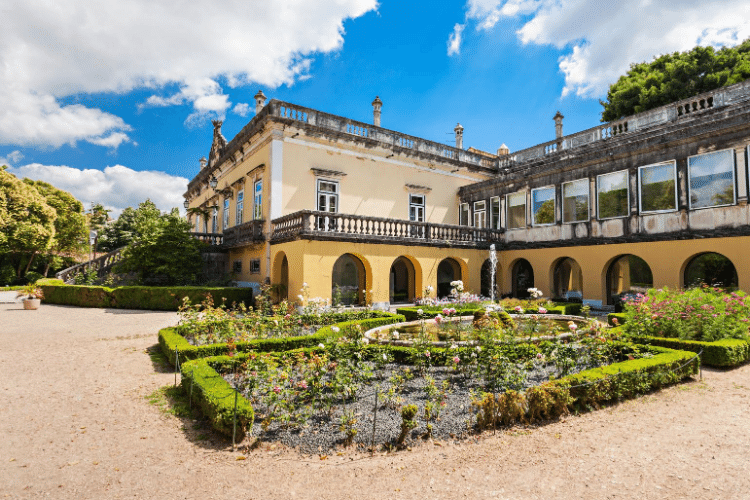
(308, 224)
(102, 265)
(242, 234)
(212, 239)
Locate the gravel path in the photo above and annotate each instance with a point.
(75, 423)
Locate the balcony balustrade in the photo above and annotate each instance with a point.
(243, 234)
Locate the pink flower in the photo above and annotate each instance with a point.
(456, 359)
(539, 355)
(518, 308)
(573, 327)
(542, 310)
(288, 316)
(302, 384)
(276, 389)
(438, 319)
(615, 321)
(427, 354)
(446, 311)
(452, 311)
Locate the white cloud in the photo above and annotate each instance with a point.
(241, 108)
(602, 39)
(12, 158)
(113, 140)
(454, 41)
(116, 187)
(50, 50)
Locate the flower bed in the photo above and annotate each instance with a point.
(325, 395)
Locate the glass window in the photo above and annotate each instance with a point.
(225, 220)
(255, 266)
(237, 267)
(543, 205)
(214, 220)
(516, 204)
(328, 201)
(480, 214)
(711, 179)
(416, 207)
(240, 202)
(258, 200)
(495, 212)
(658, 188)
(612, 194)
(575, 202)
(463, 214)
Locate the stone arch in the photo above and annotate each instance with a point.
(351, 279)
(626, 272)
(522, 278)
(566, 279)
(450, 269)
(280, 276)
(710, 268)
(405, 280)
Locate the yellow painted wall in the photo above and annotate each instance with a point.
(667, 260)
(245, 255)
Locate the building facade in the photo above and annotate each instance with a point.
(361, 213)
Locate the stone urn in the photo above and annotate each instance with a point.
(31, 304)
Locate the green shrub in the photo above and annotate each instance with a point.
(216, 398)
(722, 353)
(621, 319)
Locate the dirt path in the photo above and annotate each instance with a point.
(75, 423)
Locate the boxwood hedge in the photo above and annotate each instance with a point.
(722, 353)
(411, 313)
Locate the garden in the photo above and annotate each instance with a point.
(316, 379)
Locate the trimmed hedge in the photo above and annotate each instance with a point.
(722, 353)
(138, 297)
(170, 339)
(216, 397)
(621, 319)
(410, 313)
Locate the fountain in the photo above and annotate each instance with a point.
(493, 268)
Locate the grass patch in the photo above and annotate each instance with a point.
(170, 400)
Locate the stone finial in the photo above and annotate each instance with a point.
(503, 150)
(376, 105)
(204, 162)
(260, 101)
(558, 125)
(459, 130)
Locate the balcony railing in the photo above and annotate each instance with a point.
(248, 232)
(213, 239)
(102, 265)
(308, 224)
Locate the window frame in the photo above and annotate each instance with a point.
(734, 180)
(239, 207)
(328, 194)
(477, 211)
(225, 214)
(494, 224)
(463, 208)
(640, 188)
(554, 206)
(585, 180)
(416, 205)
(258, 199)
(525, 210)
(254, 266)
(627, 189)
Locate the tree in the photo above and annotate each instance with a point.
(71, 228)
(162, 249)
(27, 222)
(672, 77)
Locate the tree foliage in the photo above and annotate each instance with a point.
(162, 250)
(672, 77)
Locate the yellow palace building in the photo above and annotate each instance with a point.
(363, 214)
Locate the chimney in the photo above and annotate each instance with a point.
(260, 101)
(459, 130)
(503, 150)
(376, 105)
(558, 127)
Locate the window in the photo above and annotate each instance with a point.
(575, 204)
(214, 220)
(516, 204)
(658, 188)
(495, 212)
(255, 266)
(711, 179)
(237, 267)
(416, 214)
(463, 214)
(480, 214)
(258, 200)
(612, 194)
(328, 201)
(543, 206)
(225, 220)
(238, 208)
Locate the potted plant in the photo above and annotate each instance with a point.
(32, 296)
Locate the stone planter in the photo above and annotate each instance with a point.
(31, 304)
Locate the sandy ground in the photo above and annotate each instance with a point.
(75, 423)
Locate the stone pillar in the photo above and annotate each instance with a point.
(459, 130)
(377, 104)
(741, 176)
(260, 101)
(558, 128)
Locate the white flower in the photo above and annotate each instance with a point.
(479, 348)
(454, 346)
(321, 346)
(395, 335)
(335, 329)
(385, 357)
(420, 312)
(300, 297)
(304, 285)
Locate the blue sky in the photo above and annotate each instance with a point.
(114, 103)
